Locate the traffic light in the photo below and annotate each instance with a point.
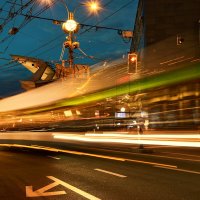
(132, 63)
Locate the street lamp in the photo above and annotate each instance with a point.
(71, 27)
(93, 6)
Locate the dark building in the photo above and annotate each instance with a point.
(167, 36)
(167, 32)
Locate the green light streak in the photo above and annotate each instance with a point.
(166, 78)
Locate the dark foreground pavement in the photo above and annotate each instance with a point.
(57, 176)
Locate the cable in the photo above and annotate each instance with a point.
(91, 57)
(83, 25)
(45, 44)
(91, 26)
(27, 20)
(104, 6)
(108, 17)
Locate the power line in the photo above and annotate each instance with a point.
(51, 19)
(108, 17)
(44, 45)
(83, 25)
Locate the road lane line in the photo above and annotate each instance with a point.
(93, 155)
(112, 173)
(56, 158)
(180, 170)
(97, 156)
(151, 163)
(175, 158)
(81, 192)
(166, 166)
(182, 154)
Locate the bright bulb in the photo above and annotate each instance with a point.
(123, 109)
(70, 25)
(133, 59)
(93, 6)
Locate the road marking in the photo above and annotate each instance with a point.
(81, 192)
(112, 173)
(56, 158)
(151, 163)
(166, 166)
(42, 191)
(181, 170)
(93, 155)
(182, 154)
(175, 158)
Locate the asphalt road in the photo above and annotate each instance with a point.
(94, 175)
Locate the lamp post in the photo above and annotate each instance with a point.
(71, 27)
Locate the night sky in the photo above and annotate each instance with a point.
(42, 39)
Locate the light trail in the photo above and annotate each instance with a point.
(169, 136)
(137, 140)
(44, 98)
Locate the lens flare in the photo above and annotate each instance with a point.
(93, 6)
(45, 2)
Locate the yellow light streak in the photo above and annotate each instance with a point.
(168, 136)
(127, 140)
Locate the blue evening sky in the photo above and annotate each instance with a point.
(43, 39)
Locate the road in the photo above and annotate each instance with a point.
(97, 174)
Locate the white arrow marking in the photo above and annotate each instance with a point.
(42, 191)
(81, 192)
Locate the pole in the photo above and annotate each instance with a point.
(71, 57)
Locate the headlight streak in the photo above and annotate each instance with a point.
(128, 140)
(169, 136)
(133, 86)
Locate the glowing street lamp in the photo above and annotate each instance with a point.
(93, 6)
(70, 26)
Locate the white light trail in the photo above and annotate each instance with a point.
(127, 140)
(172, 136)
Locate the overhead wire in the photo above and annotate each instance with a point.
(23, 24)
(122, 7)
(125, 5)
(104, 20)
(12, 15)
(28, 19)
(44, 45)
(54, 39)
